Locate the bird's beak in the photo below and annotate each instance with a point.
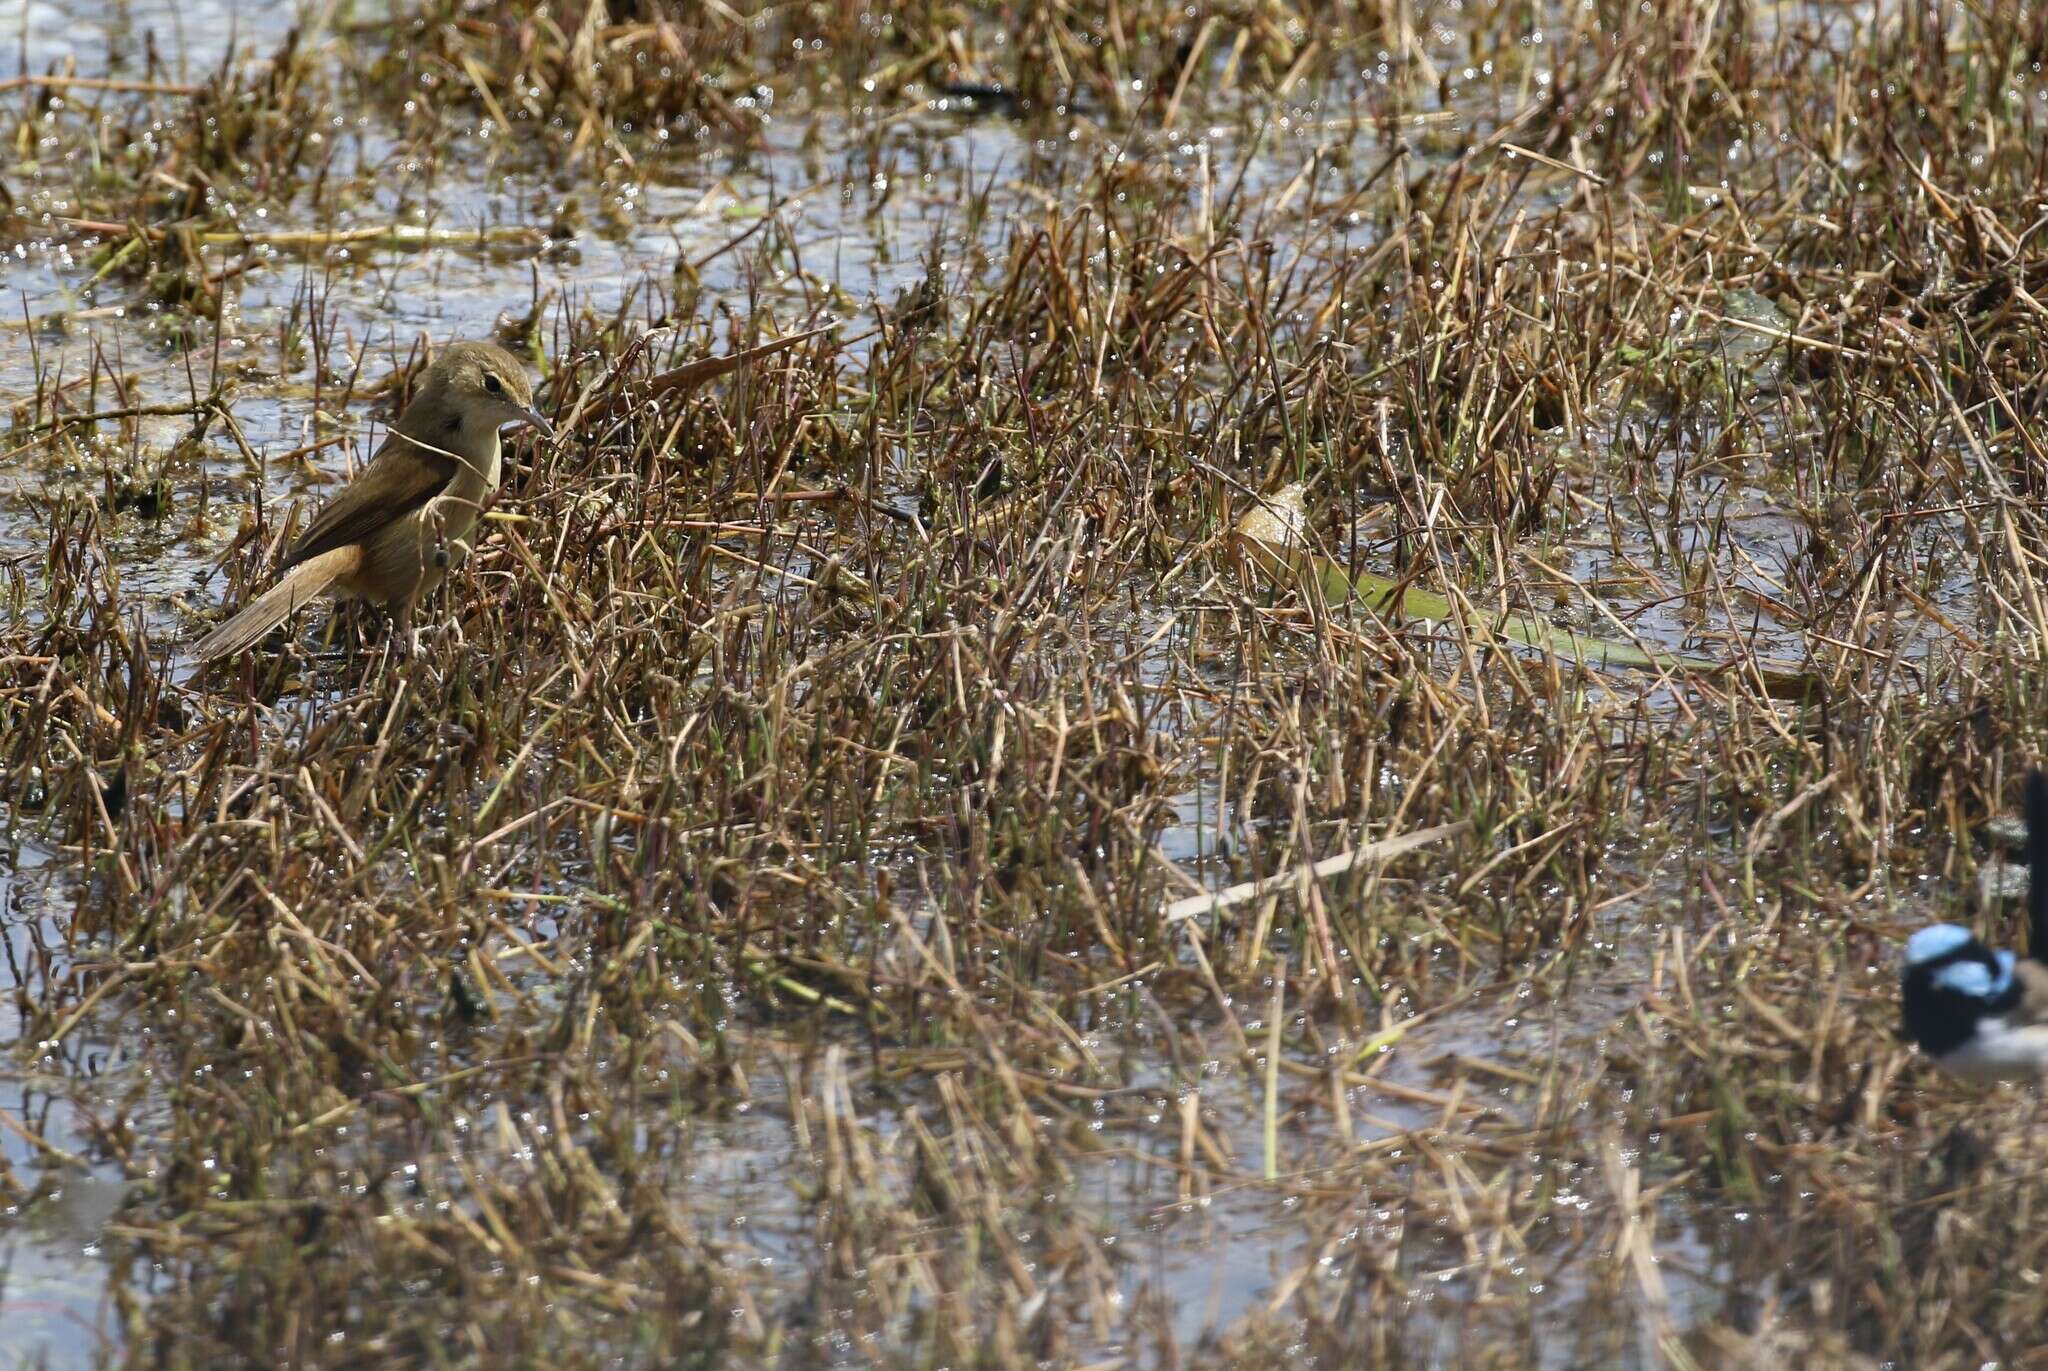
(537, 421)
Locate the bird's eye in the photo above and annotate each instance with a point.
(493, 384)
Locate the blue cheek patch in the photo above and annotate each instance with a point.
(1937, 940)
(1974, 979)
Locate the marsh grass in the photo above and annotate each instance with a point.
(742, 938)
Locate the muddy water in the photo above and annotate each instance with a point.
(860, 235)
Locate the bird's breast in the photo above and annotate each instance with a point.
(411, 555)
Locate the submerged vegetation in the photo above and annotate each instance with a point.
(1161, 448)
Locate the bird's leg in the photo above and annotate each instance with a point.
(405, 638)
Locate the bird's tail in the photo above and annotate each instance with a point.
(2037, 864)
(297, 588)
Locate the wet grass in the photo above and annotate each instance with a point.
(758, 930)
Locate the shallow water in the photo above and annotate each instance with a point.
(857, 238)
(114, 38)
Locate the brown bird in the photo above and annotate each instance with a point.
(393, 532)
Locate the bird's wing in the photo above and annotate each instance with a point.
(402, 477)
(2032, 979)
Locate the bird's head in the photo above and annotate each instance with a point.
(475, 386)
(1950, 981)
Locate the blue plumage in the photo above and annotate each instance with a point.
(1974, 979)
(1936, 940)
